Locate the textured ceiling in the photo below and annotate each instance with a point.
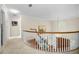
(48, 11)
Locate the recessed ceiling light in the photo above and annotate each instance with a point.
(30, 5)
(14, 11)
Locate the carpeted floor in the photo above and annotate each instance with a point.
(17, 46)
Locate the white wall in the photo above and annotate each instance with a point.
(0, 32)
(65, 25)
(15, 31)
(4, 21)
(0, 29)
(0, 25)
(2, 17)
(31, 22)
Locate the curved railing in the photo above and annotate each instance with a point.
(52, 32)
(61, 42)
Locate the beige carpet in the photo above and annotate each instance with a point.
(17, 46)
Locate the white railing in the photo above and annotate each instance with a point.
(59, 41)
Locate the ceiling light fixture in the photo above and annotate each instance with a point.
(30, 5)
(13, 11)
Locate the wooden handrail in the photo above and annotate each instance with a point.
(51, 32)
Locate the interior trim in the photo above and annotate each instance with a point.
(69, 32)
